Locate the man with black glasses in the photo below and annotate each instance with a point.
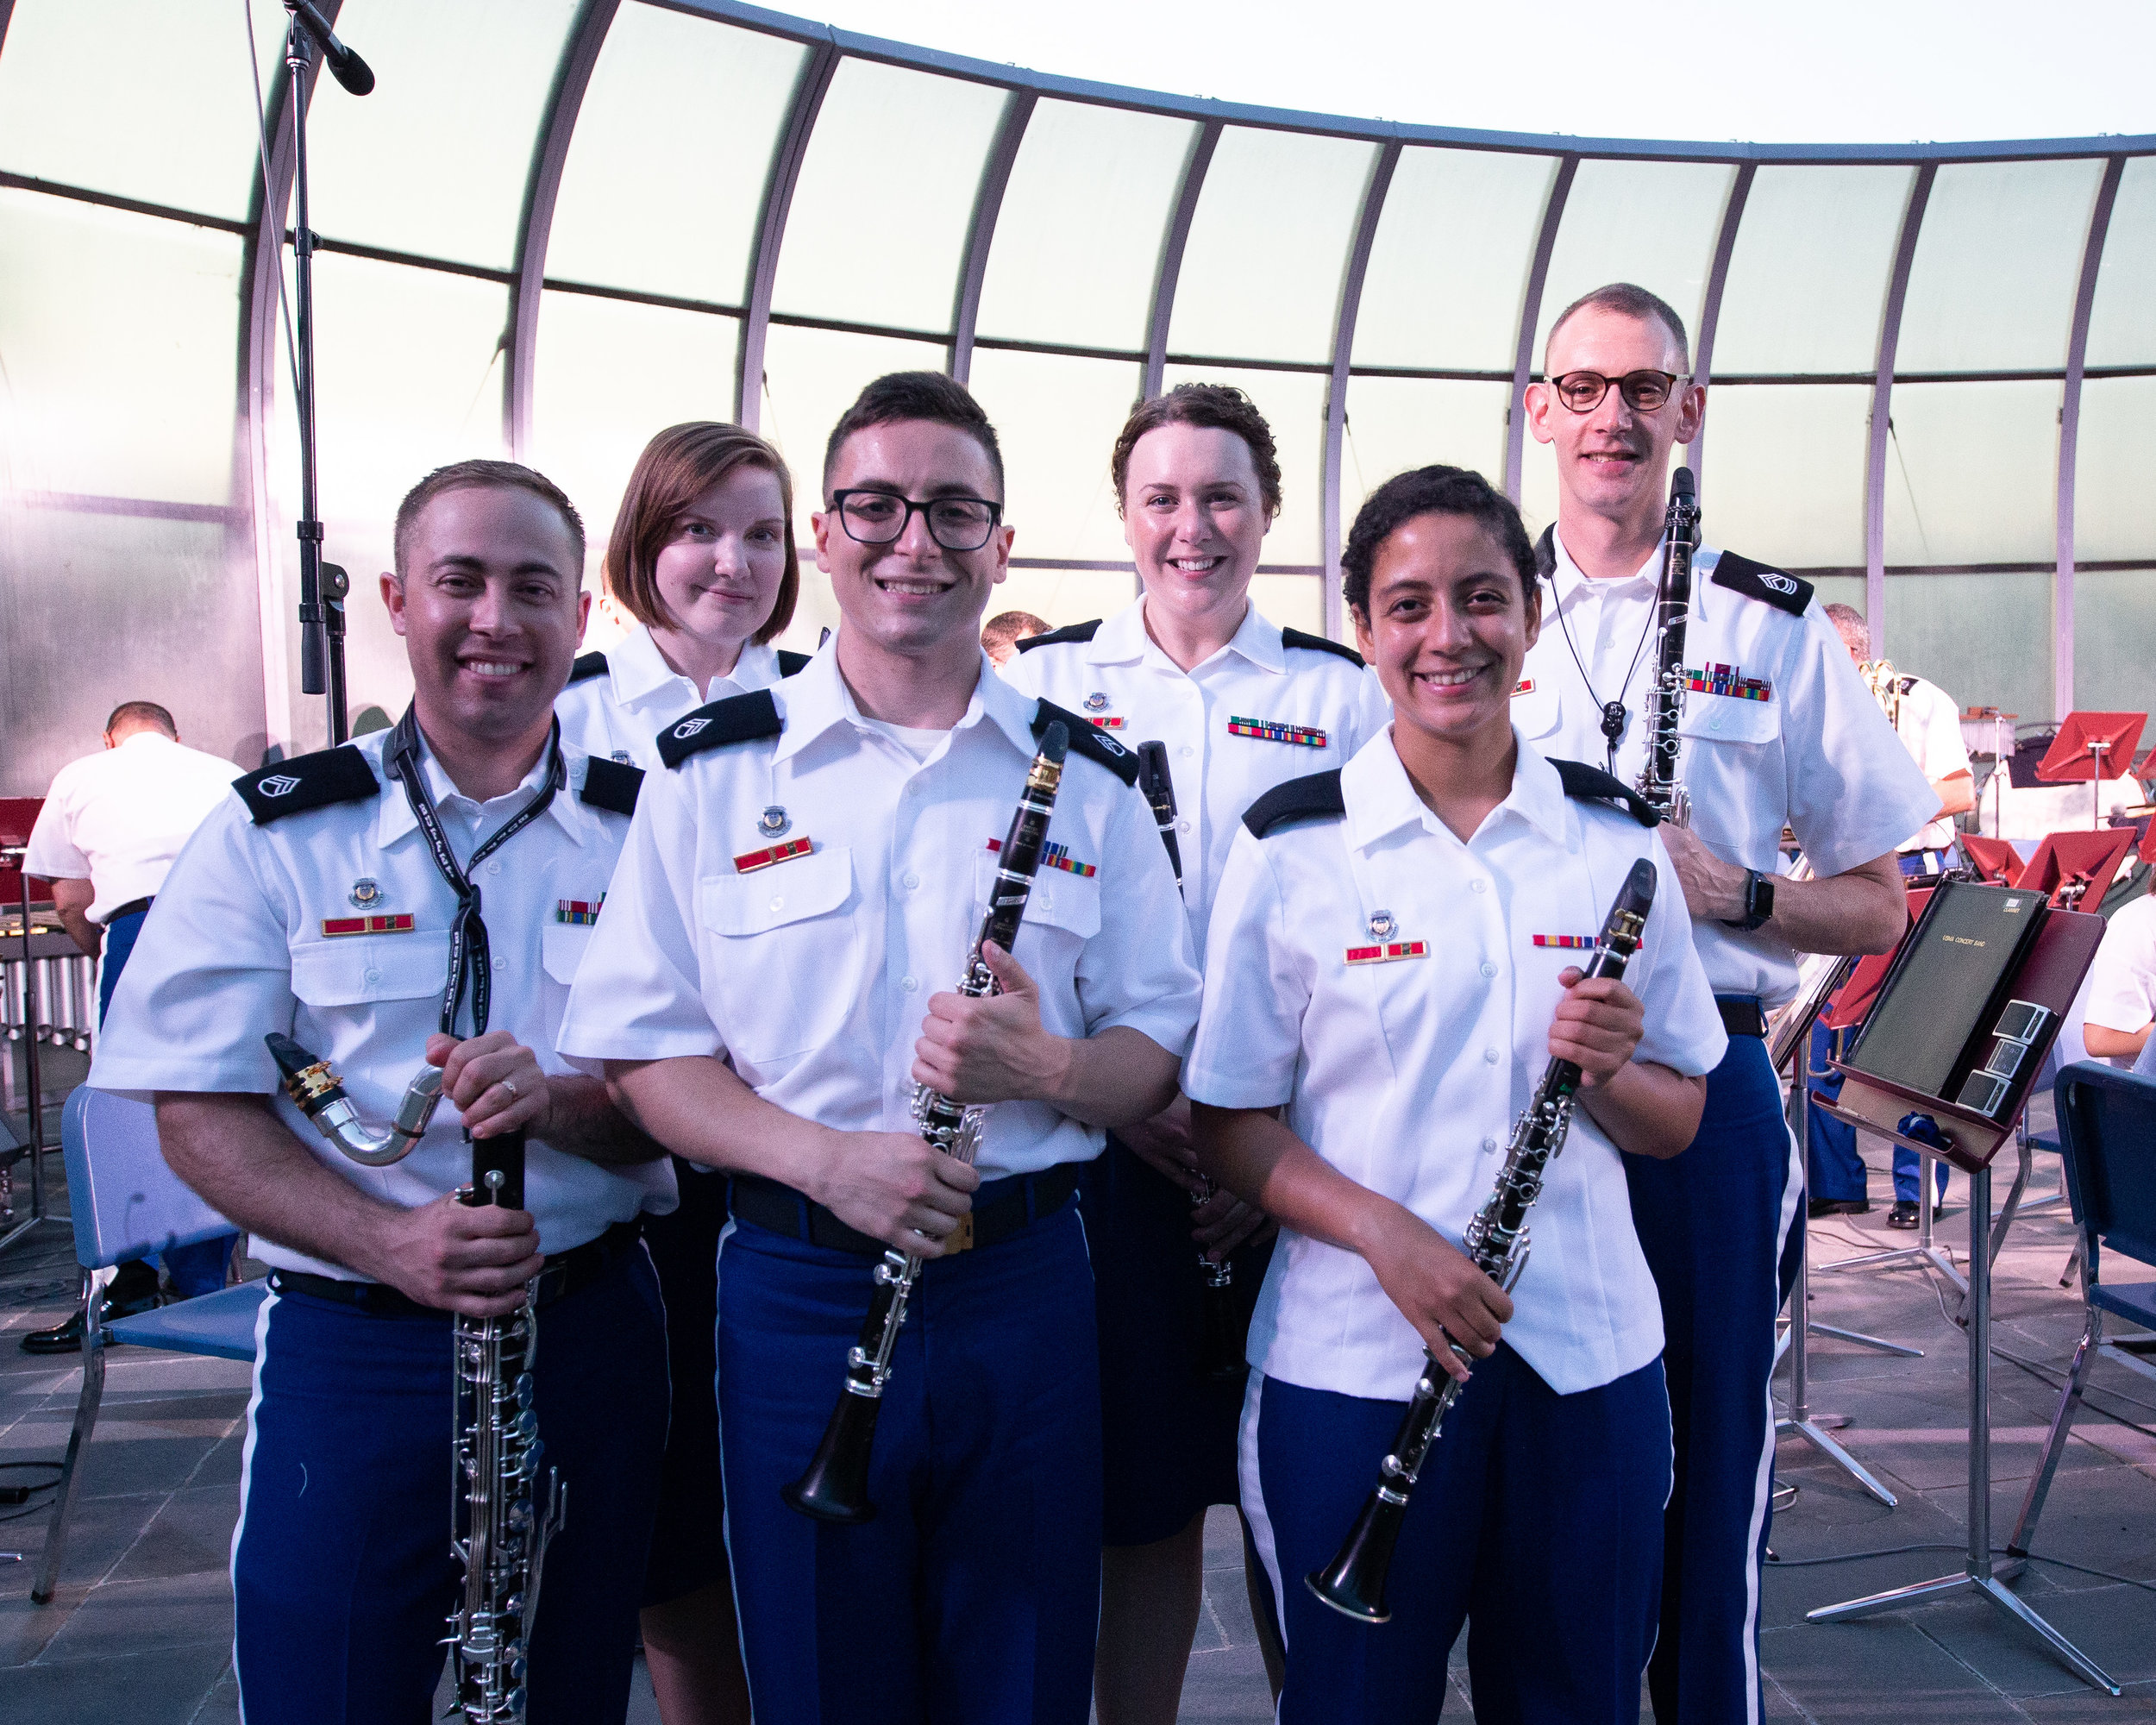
(765, 987)
(1778, 730)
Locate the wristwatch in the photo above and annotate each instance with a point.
(1758, 902)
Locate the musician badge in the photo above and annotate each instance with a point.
(366, 892)
(773, 822)
(1385, 949)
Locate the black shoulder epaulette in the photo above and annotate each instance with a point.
(1315, 798)
(738, 719)
(1762, 582)
(792, 664)
(1591, 784)
(1056, 637)
(611, 784)
(587, 665)
(307, 781)
(1546, 552)
(1906, 686)
(1087, 739)
(1319, 643)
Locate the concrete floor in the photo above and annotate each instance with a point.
(141, 1627)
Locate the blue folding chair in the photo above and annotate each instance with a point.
(2107, 1133)
(127, 1203)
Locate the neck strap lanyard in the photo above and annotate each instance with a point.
(468, 953)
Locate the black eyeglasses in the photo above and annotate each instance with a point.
(878, 518)
(1643, 391)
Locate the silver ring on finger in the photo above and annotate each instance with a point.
(509, 1085)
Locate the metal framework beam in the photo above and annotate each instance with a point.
(778, 200)
(1710, 310)
(2062, 597)
(1883, 409)
(1171, 254)
(988, 204)
(1358, 262)
(580, 54)
(1530, 315)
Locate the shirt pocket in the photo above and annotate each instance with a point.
(1537, 713)
(1056, 900)
(781, 954)
(358, 969)
(562, 947)
(1723, 718)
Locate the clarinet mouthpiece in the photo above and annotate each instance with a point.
(1683, 486)
(1055, 742)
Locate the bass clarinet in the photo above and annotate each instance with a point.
(1658, 782)
(836, 1486)
(503, 1514)
(1353, 1584)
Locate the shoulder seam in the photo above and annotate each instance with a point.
(1058, 637)
(1319, 643)
(1316, 796)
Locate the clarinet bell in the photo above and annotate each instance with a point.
(835, 1487)
(1220, 1333)
(1353, 1584)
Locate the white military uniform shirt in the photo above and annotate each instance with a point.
(2123, 981)
(620, 711)
(812, 975)
(1785, 733)
(239, 944)
(1929, 726)
(1255, 713)
(117, 819)
(1408, 1075)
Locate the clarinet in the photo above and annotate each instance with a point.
(836, 1486)
(1353, 1584)
(1658, 782)
(1219, 1355)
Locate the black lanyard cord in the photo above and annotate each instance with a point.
(1613, 712)
(469, 955)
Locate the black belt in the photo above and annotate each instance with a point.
(1742, 1015)
(128, 909)
(1000, 1209)
(564, 1273)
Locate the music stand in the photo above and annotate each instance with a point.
(14, 849)
(2085, 742)
(2074, 868)
(2002, 750)
(1994, 860)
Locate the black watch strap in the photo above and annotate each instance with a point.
(1758, 902)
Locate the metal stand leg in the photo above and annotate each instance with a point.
(33, 1097)
(1926, 1252)
(93, 1390)
(1976, 1570)
(1799, 1099)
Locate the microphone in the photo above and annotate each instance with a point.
(346, 67)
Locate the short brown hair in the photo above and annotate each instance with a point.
(1630, 300)
(1008, 628)
(143, 713)
(678, 467)
(930, 397)
(1215, 404)
(480, 475)
(1431, 491)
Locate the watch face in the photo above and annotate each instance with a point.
(1762, 896)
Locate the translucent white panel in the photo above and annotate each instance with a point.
(2122, 321)
(1058, 420)
(609, 375)
(434, 161)
(1395, 423)
(149, 98)
(1808, 278)
(408, 379)
(1653, 223)
(1998, 260)
(1426, 304)
(1781, 472)
(1292, 602)
(1972, 472)
(884, 200)
(666, 173)
(1294, 404)
(1062, 596)
(1261, 276)
(118, 339)
(1984, 639)
(1078, 238)
(809, 378)
(2115, 639)
(2114, 505)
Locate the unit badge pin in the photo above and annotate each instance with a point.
(622, 757)
(365, 890)
(1384, 925)
(1096, 702)
(773, 821)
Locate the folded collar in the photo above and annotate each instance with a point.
(394, 819)
(817, 699)
(1123, 640)
(1381, 798)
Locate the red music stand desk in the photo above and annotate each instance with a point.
(2064, 857)
(1994, 860)
(2087, 743)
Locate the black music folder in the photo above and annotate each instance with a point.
(1935, 1016)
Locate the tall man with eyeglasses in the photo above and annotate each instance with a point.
(767, 986)
(1778, 730)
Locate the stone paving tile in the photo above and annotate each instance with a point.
(126, 1617)
(166, 1686)
(1878, 1668)
(191, 1533)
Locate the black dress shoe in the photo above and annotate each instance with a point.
(1903, 1214)
(67, 1338)
(1838, 1207)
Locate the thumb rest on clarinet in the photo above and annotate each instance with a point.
(1496, 1242)
(836, 1486)
(505, 1510)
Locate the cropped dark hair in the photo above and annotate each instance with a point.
(1431, 491)
(916, 395)
(1215, 404)
(481, 476)
(677, 466)
(142, 712)
(1632, 301)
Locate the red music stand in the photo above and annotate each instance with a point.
(2065, 859)
(2086, 743)
(1994, 860)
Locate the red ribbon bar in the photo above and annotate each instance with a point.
(749, 860)
(400, 924)
(1389, 950)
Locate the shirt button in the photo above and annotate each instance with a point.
(778, 904)
(909, 880)
(1491, 1054)
(1479, 886)
(1182, 826)
(501, 964)
(1488, 968)
(373, 976)
(493, 867)
(908, 983)
(1186, 751)
(1489, 1143)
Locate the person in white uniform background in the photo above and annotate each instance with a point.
(2122, 987)
(702, 556)
(106, 837)
(1393, 960)
(1241, 704)
(1777, 730)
